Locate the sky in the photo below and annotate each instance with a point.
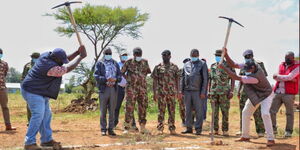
(271, 29)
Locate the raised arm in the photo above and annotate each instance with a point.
(229, 61)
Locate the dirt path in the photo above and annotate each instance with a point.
(86, 133)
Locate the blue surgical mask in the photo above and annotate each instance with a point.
(138, 58)
(193, 59)
(107, 57)
(218, 58)
(33, 60)
(124, 58)
(247, 60)
(247, 73)
(1, 55)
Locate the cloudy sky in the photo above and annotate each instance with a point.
(271, 29)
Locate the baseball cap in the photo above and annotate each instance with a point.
(35, 55)
(247, 52)
(166, 52)
(60, 54)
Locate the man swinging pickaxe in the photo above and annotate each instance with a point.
(67, 4)
(231, 20)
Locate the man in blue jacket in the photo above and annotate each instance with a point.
(42, 83)
(193, 86)
(107, 75)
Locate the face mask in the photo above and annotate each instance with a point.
(107, 57)
(1, 55)
(124, 58)
(193, 59)
(218, 58)
(138, 58)
(288, 61)
(247, 73)
(34, 60)
(247, 60)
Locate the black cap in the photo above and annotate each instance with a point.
(186, 60)
(249, 65)
(35, 55)
(166, 52)
(137, 50)
(219, 52)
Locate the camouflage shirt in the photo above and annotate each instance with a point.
(167, 77)
(3, 73)
(220, 82)
(26, 69)
(136, 73)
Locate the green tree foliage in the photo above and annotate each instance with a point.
(13, 76)
(101, 25)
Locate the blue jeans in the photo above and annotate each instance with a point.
(40, 118)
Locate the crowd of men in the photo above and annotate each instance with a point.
(190, 85)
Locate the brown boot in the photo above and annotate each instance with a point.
(32, 147)
(270, 143)
(52, 143)
(242, 139)
(10, 128)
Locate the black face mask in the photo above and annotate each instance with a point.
(288, 61)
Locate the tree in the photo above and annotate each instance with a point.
(101, 25)
(13, 76)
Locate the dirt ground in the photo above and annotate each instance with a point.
(85, 134)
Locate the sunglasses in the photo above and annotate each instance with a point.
(248, 56)
(107, 53)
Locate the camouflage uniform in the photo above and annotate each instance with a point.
(167, 77)
(26, 69)
(181, 103)
(259, 124)
(219, 89)
(136, 90)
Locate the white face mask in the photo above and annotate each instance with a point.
(138, 58)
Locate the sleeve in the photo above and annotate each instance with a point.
(182, 78)
(119, 74)
(290, 76)
(57, 71)
(100, 74)
(148, 68)
(249, 80)
(204, 85)
(154, 73)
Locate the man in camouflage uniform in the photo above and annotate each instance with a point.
(221, 88)
(165, 88)
(135, 71)
(34, 56)
(260, 129)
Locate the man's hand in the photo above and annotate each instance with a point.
(221, 66)
(202, 96)
(179, 96)
(239, 95)
(111, 80)
(82, 51)
(230, 95)
(224, 51)
(275, 76)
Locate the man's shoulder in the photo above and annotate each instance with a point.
(3, 62)
(28, 65)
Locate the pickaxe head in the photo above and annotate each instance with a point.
(231, 20)
(66, 4)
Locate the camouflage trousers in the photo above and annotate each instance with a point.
(163, 102)
(259, 124)
(181, 109)
(134, 95)
(221, 102)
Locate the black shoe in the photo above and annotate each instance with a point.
(198, 132)
(103, 133)
(188, 130)
(111, 132)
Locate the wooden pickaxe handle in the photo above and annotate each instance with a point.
(74, 25)
(226, 41)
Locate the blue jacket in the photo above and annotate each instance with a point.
(38, 82)
(194, 77)
(100, 72)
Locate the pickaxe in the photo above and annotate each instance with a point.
(67, 4)
(231, 20)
